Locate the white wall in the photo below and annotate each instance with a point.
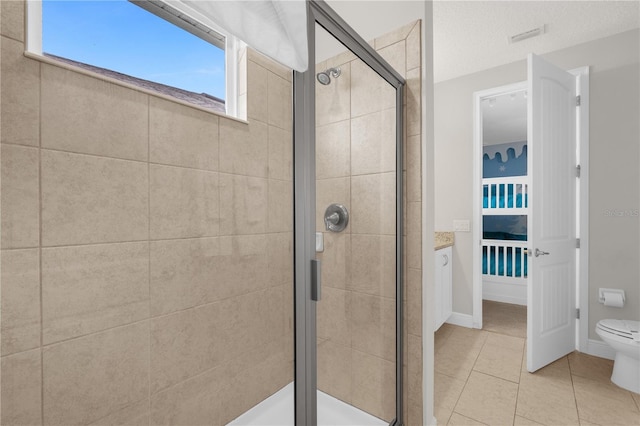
(614, 173)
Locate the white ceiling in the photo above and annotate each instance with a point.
(471, 36)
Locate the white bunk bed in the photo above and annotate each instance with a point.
(504, 261)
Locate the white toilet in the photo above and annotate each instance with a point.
(624, 337)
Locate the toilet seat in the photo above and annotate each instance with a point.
(626, 329)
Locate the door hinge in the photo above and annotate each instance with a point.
(578, 170)
(578, 100)
(578, 313)
(577, 242)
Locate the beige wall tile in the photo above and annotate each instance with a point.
(279, 258)
(488, 399)
(394, 36)
(333, 101)
(88, 378)
(20, 87)
(193, 272)
(20, 196)
(12, 24)
(413, 114)
(414, 50)
(373, 266)
(192, 341)
(369, 92)
(20, 300)
(336, 259)
(333, 155)
(374, 325)
(252, 377)
(243, 205)
(88, 199)
(21, 389)
(413, 163)
(244, 148)
(280, 154)
(330, 191)
(92, 116)
(334, 369)
(243, 264)
(135, 414)
(396, 55)
(373, 386)
(184, 203)
(257, 89)
(90, 288)
(184, 274)
(280, 206)
(373, 209)
(413, 240)
(413, 291)
(193, 402)
(414, 366)
(280, 102)
(373, 143)
(334, 316)
(182, 136)
(270, 64)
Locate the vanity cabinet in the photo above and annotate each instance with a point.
(444, 285)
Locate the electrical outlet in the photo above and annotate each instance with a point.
(461, 226)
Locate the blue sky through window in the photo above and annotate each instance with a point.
(118, 35)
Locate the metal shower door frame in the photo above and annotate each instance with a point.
(306, 410)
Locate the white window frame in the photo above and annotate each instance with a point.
(194, 19)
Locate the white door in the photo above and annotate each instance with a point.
(552, 219)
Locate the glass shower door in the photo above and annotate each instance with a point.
(355, 224)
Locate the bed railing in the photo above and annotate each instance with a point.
(506, 195)
(502, 258)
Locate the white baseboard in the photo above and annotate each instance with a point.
(600, 349)
(463, 320)
(504, 299)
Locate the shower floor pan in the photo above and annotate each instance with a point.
(277, 410)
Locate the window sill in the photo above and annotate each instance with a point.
(88, 73)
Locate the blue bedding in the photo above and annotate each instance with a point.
(494, 263)
(508, 200)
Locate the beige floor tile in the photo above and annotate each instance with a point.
(488, 399)
(523, 421)
(590, 367)
(501, 356)
(604, 403)
(442, 335)
(546, 396)
(460, 420)
(447, 390)
(457, 356)
(636, 398)
(504, 318)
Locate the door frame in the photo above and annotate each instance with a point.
(582, 205)
(304, 130)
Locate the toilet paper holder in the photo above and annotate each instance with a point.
(609, 291)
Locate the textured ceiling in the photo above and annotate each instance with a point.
(504, 119)
(471, 36)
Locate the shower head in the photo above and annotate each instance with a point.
(323, 77)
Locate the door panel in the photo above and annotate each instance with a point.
(552, 165)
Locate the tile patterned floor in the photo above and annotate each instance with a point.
(481, 379)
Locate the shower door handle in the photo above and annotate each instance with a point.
(316, 279)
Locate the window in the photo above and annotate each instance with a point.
(153, 44)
